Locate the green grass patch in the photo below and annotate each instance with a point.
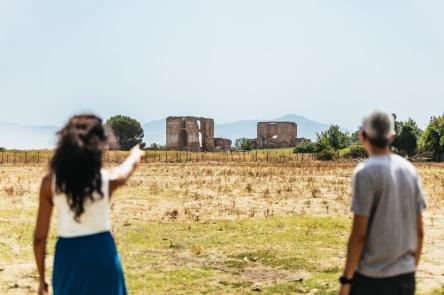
(162, 257)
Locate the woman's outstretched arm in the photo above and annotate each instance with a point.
(119, 175)
(42, 229)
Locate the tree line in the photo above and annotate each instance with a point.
(410, 141)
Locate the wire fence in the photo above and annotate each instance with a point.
(167, 156)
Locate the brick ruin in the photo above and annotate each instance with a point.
(223, 144)
(276, 134)
(193, 134)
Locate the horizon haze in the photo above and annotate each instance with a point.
(28, 137)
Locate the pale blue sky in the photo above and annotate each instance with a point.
(332, 61)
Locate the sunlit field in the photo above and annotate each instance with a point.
(212, 226)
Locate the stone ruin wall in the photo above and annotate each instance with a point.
(223, 144)
(193, 134)
(276, 134)
(182, 133)
(197, 134)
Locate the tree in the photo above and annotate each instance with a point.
(128, 131)
(433, 137)
(407, 141)
(354, 137)
(333, 137)
(414, 126)
(243, 144)
(408, 134)
(155, 146)
(2, 149)
(246, 146)
(239, 142)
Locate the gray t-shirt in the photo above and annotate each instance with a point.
(387, 191)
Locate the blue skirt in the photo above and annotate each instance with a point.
(88, 265)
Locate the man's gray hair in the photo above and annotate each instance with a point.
(379, 125)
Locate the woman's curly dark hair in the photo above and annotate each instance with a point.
(78, 160)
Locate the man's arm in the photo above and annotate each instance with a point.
(420, 239)
(354, 250)
(42, 229)
(355, 245)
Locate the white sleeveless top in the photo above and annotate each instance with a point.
(95, 219)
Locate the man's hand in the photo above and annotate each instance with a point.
(43, 288)
(344, 290)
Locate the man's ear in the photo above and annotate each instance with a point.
(361, 136)
(392, 138)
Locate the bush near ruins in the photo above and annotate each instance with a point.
(333, 137)
(155, 146)
(128, 131)
(328, 142)
(306, 148)
(243, 144)
(326, 154)
(355, 151)
(433, 138)
(2, 149)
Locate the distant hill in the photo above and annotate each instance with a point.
(16, 136)
(155, 131)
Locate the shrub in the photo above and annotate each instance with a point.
(355, 151)
(247, 146)
(327, 154)
(306, 148)
(323, 144)
(2, 149)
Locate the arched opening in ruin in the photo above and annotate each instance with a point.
(183, 138)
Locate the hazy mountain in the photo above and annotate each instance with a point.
(17, 136)
(155, 131)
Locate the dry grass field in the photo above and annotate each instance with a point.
(220, 228)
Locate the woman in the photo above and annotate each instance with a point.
(86, 260)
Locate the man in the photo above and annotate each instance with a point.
(387, 233)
